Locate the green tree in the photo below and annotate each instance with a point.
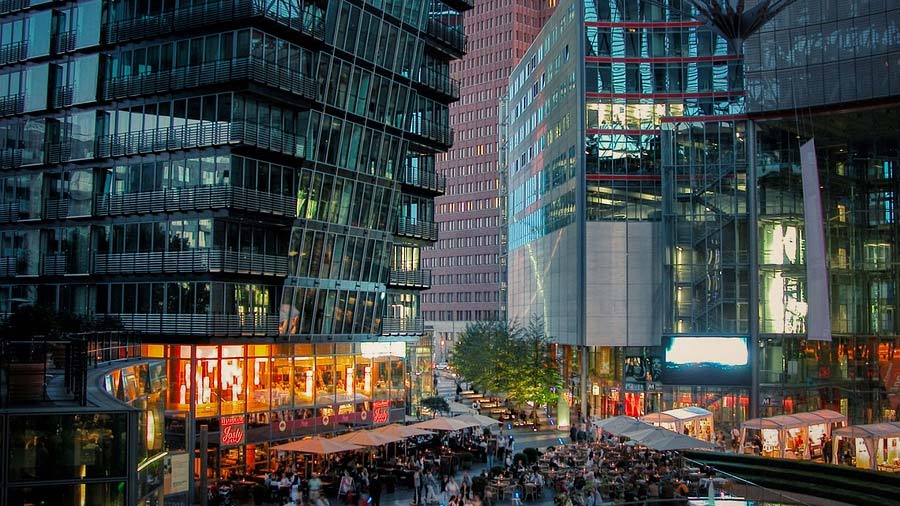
(509, 359)
(535, 376)
(435, 405)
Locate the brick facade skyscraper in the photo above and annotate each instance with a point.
(466, 282)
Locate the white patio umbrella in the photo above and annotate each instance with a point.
(664, 439)
(444, 423)
(619, 425)
(318, 446)
(404, 431)
(368, 438)
(484, 421)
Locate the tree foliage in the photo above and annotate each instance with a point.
(435, 404)
(510, 359)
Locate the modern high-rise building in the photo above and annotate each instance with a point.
(247, 185)
(656, 211)
(466, 268)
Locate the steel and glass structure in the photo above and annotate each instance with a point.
(683, 217)
(244, 183)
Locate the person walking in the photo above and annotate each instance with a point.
(375, 489)
(465, 488)
(417, 486)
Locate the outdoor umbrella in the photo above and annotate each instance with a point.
(619, 425)
(444, 423)
(317, 445)
(368, 438)
(403, 431)
(664, 439)
(484, 421)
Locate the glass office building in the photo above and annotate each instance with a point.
(683, 220)
(247, 184)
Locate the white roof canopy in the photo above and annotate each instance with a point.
(874, 431)
(678, 414)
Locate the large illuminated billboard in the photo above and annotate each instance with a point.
(707, 361)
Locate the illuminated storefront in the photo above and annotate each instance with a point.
(253, 395)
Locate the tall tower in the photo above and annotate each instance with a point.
(466, 272)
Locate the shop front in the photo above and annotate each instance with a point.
(251, 396)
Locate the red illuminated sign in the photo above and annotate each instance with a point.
(232, 428)
(381, 411)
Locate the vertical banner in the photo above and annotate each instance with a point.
(818, 314)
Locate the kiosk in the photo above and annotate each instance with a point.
(873, 446)
(797, 436)
(691, 420)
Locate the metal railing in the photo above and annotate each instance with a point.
(196, 198)
(9, 212)
(438, 132)
(61, 96)
(11, 157)
(217, 72)
(196, 260)
(7, 6)
(419, 278)
(423, 178)
(420, 229)
(391, 326)
(310, 22)
(201, 135)
(440, 82)
(63, 42)
(12, 104)
(13, 52)
(9, 266)
(54, 265)
(451, 36)
(199, 324)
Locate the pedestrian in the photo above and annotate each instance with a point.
(417, 486)
(735, 439)
(375, 489)
(466, 486)
(827, 448)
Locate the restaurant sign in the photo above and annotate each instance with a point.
(232, 428)
(381, 411)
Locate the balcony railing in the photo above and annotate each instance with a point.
(9, 266)
(423, 178)
(419, 278)
(201, 135)
(13, 52)
(440, 82)
(63, 42)
(12, 104)
(310, 22)
(54, 265)
(61, 96)
(199, 324)
(217, 72)
(7, 6)
(11, 157)
(402, 326)
(451, 36)
(9, 212)
(197, 260)
(437, 132)
(419, 229)
(192, 199)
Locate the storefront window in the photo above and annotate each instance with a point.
(397, 377)
(344, 378)
(233, 380)
(108, 494)
(381, 377)
(363, 373)
(206, 381)
(282, 371)
(304, 375)
(51, 447)
(324, 375)
(261, 371)
(180, 378)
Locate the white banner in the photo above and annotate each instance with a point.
(818, 315)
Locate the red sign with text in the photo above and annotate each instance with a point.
(381, 411)
(232, 428)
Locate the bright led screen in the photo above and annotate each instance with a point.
(707, 361)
